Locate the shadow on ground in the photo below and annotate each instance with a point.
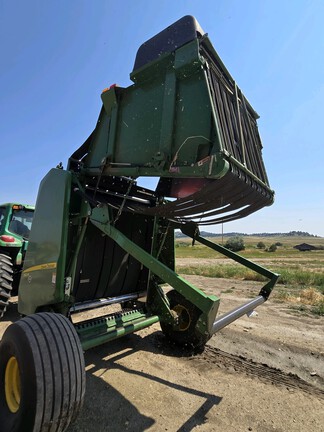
(106, 409)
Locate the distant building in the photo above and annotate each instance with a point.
(305, 247)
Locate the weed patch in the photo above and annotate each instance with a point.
(318, 309)
(222, 271)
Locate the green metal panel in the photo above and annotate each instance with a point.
(148, 113)
(99, 152)
(166, 113)
(101, 330)
(42, 281)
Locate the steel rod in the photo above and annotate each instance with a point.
(231, 316)
(77, 307)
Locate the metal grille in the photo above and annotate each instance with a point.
(236, 119)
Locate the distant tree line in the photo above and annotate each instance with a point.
(179, 234)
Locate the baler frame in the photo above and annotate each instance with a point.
(207, 304)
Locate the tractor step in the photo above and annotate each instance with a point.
(97, 331)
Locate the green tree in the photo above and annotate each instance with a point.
(272, 248)
(235, 244)
(261, 245)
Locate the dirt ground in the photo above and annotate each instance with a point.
(263, 373)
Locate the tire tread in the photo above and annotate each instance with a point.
(58, 356)
(6, 279)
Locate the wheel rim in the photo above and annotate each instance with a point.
(12, 385)
(184, 319)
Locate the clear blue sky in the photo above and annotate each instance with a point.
(57, 56)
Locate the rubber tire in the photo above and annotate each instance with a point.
(6, 280)
(190, 337)
(52, 373)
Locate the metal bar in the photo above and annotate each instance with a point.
(238, 258)
(219, 137)
(265, 291)
(233, 315)
(122, 196)
(77, 307)
(71, 268)
(239, 122)
(115, 333)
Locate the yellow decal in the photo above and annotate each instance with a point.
(41, 267)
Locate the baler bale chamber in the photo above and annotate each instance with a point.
(100, 239)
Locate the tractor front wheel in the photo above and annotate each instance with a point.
(42, 374)
(6, 278)
(184, 331)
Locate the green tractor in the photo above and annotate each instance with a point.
(15, 225)
(100, 241)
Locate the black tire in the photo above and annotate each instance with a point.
(42, 374)
(6, 279)
(185, 332)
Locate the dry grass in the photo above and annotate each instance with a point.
(310, 296)
(305, 300)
